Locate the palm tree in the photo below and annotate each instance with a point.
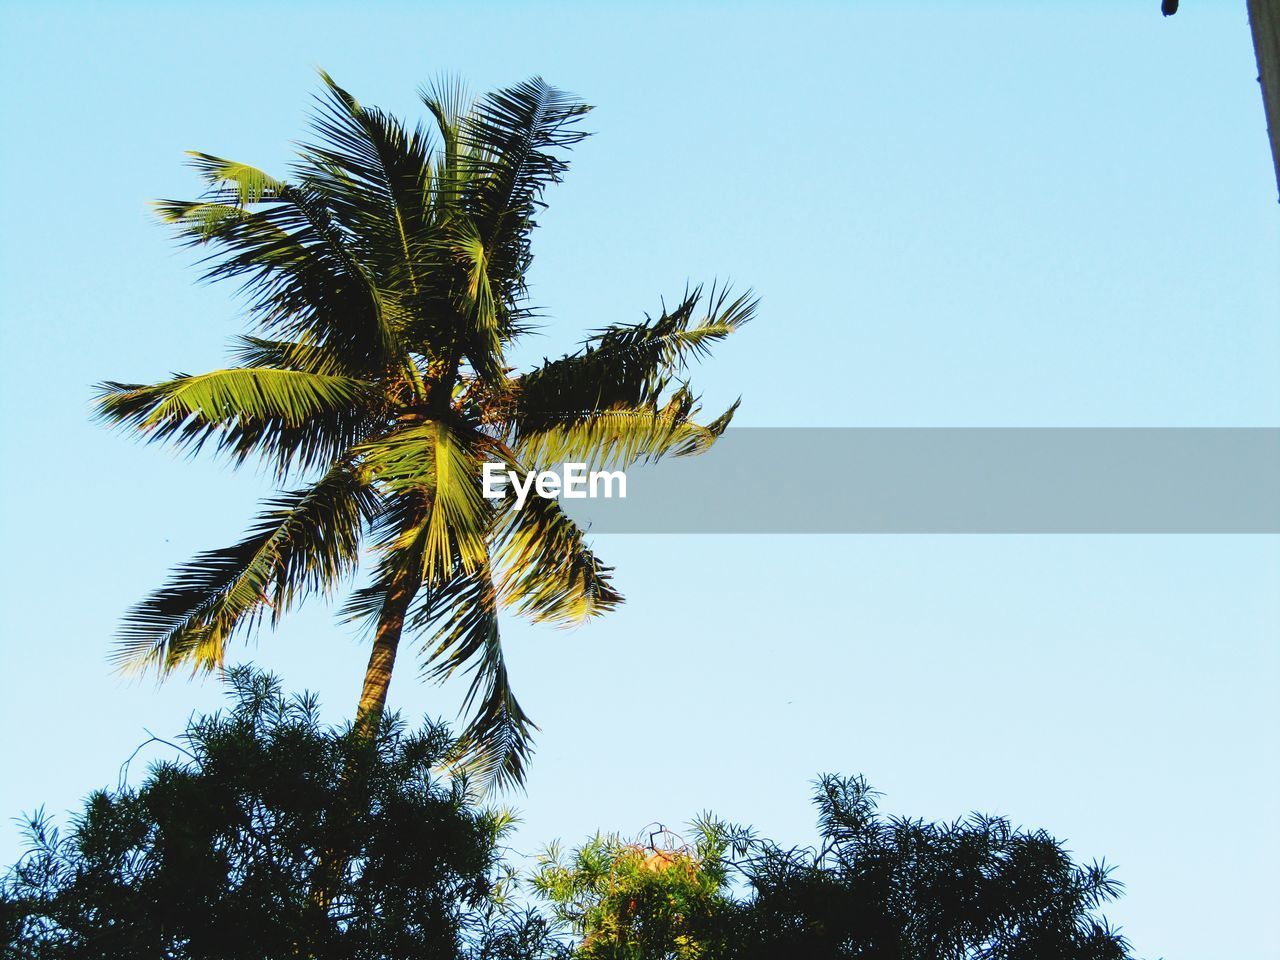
(385, 282)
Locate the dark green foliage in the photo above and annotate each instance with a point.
(879, 887)
(890, 887)
(219, 854)
(229, 852)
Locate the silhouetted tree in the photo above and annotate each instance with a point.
(215, 855)
(225, 852)
(893, 887)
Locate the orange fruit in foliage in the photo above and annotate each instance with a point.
(658, 861)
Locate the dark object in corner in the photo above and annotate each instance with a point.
(1168, 7)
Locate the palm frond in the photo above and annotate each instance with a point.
(483, 309)
(295, 418)
(296, 264)
(399, 535)
(375, 172)
(461, 620)
(249, 184)
(626, 365)
(547, 571)
(510, 136)
(287, 355)
(439, 461)
(498, 739)
(306, 541)
(509, 153)
(447, 100)
(459, 513)
(622, 436)
(397, 539)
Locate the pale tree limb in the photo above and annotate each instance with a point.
(1264, 20)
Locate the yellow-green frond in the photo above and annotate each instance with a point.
(250, 184)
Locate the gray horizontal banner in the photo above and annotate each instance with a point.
(1076, 480)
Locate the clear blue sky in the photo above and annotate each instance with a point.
(978, 214)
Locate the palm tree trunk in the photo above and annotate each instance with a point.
(382, 659)
(373, 700)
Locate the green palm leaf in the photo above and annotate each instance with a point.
(623, 436)
(548, 573)
(376, 173)
(287, 355)
(512, 139)
(296, 263)
(441, 464)
(293, 417)
(461, 621)
(305, 542)
(626, 366)
(447, 101)
(510, 147)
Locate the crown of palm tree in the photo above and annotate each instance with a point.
(385, 280)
